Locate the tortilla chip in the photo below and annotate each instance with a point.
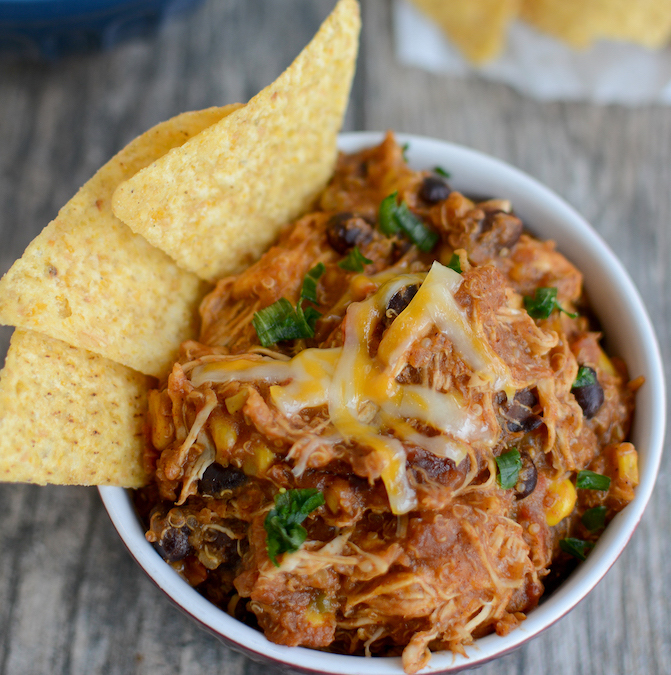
(477, 27)
(218, 202)
(89, 280)
(581, 22)
(68, 416)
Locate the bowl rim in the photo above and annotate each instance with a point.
(605, 277)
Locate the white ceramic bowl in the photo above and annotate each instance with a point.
(630, 335)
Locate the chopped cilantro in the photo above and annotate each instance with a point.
(441, 172)
(510, 464)
(589, 480)
(585, 377)
(396, 218)
(285, 534)
(543, 303)
(576, 547)
(280, 321)
(386, 219)
(354, 261)
(455, 263)
(309, 289)
(594, 519)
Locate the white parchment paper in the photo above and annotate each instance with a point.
(540, 66)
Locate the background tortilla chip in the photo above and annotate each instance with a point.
(217, 203)
(580, 22)
(477, 27)
(89, 280)
(68, 416)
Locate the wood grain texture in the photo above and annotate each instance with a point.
(71, 599)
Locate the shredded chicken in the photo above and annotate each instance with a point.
(417, 380)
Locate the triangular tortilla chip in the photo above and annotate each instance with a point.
(581, 22)
(89, 280)
(477, 27)
(69, 416)
(217, 203)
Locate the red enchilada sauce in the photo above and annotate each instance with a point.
(439, 428)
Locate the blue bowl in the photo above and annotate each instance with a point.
(49, 29)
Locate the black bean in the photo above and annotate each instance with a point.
(590, 396)
(434, 190)
(487, 223)
(519, 414)
(507, 228)
(399, 301)
(220, 541)
(526, 397)
(528, 477)
(218, 478)
(346, 230)
(500, 398)
(174, 544)
(526, 421)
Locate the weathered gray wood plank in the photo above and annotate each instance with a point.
(71, 599)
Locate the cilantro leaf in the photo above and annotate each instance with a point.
(309, 289)
(455, 263)
(284, 532)
(354, 261)
(590, 480)
(543, 303)
(510, 464)
(386, 219)
(277, 322)
(281, 321)
(576, 547)
(396, 218)
(594, 519)
(441, 172)
(414, 229)
(585, 377)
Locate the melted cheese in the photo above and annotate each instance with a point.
(366, 404)
(311, 372)
(435, 305)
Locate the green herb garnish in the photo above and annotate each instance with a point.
(404, 150)
(386, 219)
(594, 519)
(575, 547)
(280, 321)
(585, 377)
(396, 218)
(509, 464)
(455, 263)
(285, 534)
(543, 303)
(309, 289)
(441, 172)
(354, 261)
(589, 480)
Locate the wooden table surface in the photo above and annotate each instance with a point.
(71, 599)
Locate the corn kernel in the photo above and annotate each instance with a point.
(627, 463)
(332, 501)
(162, 428)
(564, 494)
(318, 610)
(224, 433)
(605, 365)
(260, 462)
(236, 402)
(314, 617)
